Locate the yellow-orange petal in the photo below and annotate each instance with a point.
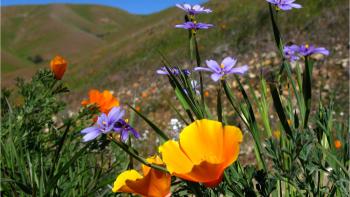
(206, 148)
(210, 141)
(174, 158)
(154, 160)
(120, 182)
(58, 66)
(154, 183)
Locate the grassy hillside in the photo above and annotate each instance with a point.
(106, 46)
(69, 30)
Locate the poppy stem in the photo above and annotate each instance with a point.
(137, 157)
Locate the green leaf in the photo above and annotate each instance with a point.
(307, 89)
(53, 181)
(279, 108)
(151, 124)
(276, 31)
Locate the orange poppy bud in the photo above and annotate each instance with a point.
(337, 144)
(205, 149)
(58, 66)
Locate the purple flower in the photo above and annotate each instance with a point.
(284, 4)
(195, 86)
(122, 127)
(174, 71)
(226, 67)
(193, 10)
(291, 52)
(104, 124)
(194, 25)
(307, 50)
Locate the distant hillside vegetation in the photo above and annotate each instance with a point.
(106, 46)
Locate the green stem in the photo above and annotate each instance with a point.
(137, 157)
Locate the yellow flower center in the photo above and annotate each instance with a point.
(306, 46)
(127, 120)
(104, 122)
(222, 66)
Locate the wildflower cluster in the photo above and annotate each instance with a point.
(300, 154)
(111, 122)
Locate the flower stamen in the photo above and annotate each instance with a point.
(222, 66)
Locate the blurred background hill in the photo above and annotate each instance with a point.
(109, 48)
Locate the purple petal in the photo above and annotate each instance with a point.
(182, 26)
(272, 1)
(124, 135)
(115, 114)
(101, 119)
(239, 70)
(89, 129)
(202, 69)
(207, 10)
(180, 6)
(135, 133)
(197, 7)
(321, 50)
(161, 72)
(187, 6)
(285, 7)
(213, 65)
(204, 26)
(294, 5)
(228, 63)
(215, 76)
(90, 136)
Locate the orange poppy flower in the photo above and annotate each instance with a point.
(337, 144)
(153, 183)
(104, 100)
(58, 66)
(205, 149)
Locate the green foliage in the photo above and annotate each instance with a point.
(42, 154)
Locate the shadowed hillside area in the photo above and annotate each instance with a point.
(109, 48)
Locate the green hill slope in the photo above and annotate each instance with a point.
(69, 30)
(106, 46)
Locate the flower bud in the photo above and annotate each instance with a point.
(58, 66)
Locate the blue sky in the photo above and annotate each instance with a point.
(132, 6)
